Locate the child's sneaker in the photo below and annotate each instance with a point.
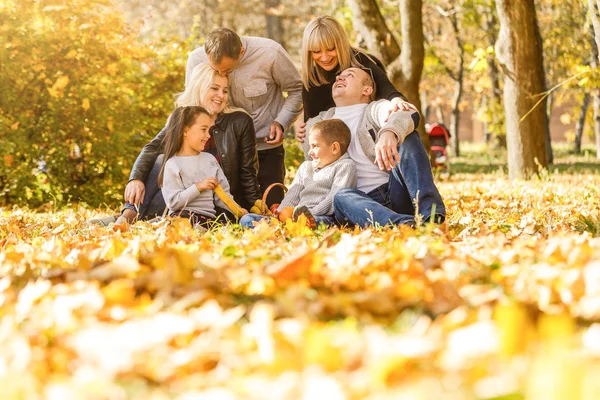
(303, 210)
(121, 220)
(106, 221)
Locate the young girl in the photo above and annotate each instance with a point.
(189, 176)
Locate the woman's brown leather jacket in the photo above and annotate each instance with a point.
(235, 140)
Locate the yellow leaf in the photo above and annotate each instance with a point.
(85, 104)
(320, 348)
(112, 69)
(54, 93)
(61, 82)
(8, 160)
(292, 269)
(71, 54)
(565, 119)
(119, 291)
(515, 327)
(15, 126)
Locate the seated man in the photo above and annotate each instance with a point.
(394, 178)
(317, 181)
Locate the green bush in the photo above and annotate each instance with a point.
(80, 95)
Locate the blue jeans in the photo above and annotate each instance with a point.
(247, 221)
(153, 204)
(393, 203)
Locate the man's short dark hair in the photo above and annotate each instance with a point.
(334, 130)
(222, 42)
(370, 81)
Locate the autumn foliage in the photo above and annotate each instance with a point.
(80, 96)
(499, 302)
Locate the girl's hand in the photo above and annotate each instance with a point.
(398, 104)
(301, 133)
(207, 184)
(243, 211)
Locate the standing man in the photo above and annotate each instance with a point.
(261, 71)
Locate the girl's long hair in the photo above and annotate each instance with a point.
(180, 119)
(323, 33)
(200, 81)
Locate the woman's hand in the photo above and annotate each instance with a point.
(134, 192)
(398, 104)
(301, 133)
(207, 184)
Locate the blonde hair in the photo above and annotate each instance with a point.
(200, 81)
(322, 33)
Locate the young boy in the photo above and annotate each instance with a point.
(317, 181)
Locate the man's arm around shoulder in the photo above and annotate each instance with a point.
(401, 123)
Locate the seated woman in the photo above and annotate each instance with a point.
(326, 52)
(232, 142)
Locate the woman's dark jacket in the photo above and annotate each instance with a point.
(319, 98)
(235, 140)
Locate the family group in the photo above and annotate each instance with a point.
(365, 163)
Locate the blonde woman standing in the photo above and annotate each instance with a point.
(326, 52)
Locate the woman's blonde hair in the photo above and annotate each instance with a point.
(200, 81)
(325, 33)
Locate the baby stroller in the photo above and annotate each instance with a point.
(439, 138)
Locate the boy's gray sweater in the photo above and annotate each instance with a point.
(315, 188)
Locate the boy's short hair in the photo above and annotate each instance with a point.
(222, 42)
(334, 130)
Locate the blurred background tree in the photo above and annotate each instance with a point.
(80, 95)
(85, 84)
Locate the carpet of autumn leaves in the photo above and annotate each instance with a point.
(502, 301)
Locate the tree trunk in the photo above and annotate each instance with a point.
(581, 123)
(458, 86)
(455, 117)
(597, 120)
(519, 51)
(407, 66)
(487, 135)
(406, 70)
(371, 25)
(425, 107)
(549, 152)
(594, 9)
(274, 23)
(490, 25)
(439, 113)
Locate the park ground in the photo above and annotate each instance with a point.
(502, 301)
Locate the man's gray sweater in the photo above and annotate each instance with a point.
(264, 72)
